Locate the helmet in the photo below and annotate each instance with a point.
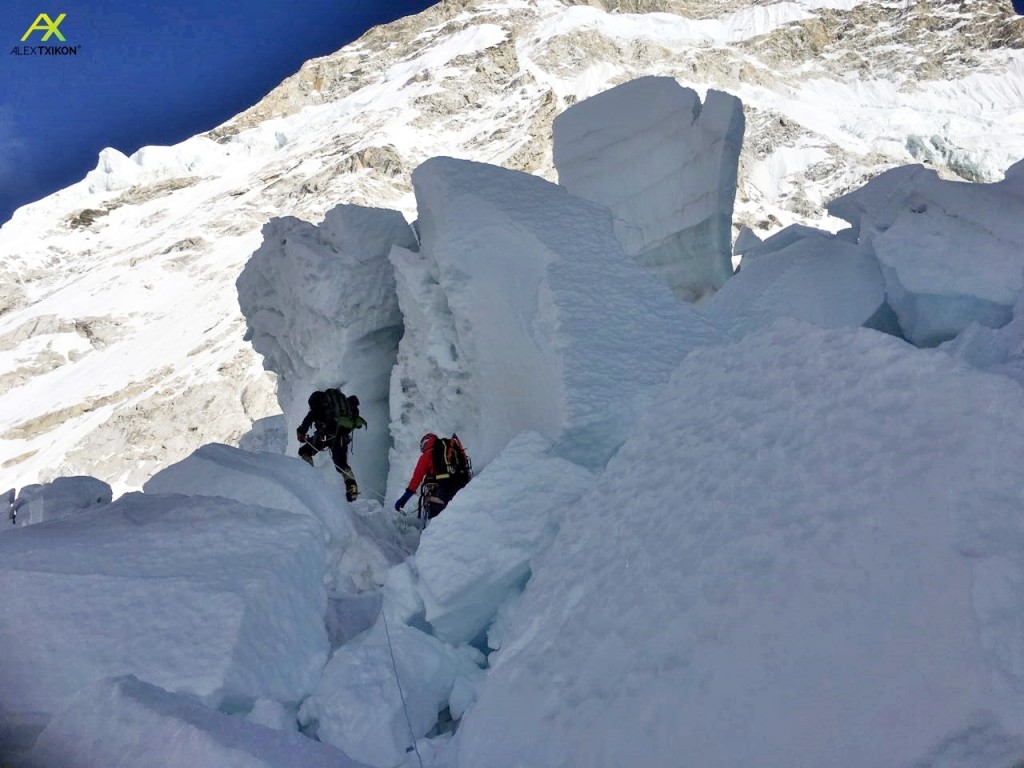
(427, 441)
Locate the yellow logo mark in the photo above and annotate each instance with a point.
(43, 23)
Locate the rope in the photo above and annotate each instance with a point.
(394, 666)
(378, 496)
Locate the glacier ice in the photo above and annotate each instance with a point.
(666, 166)
(320, 306)
(523, 313)
(951, 253)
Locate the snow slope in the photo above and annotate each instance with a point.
(804, 556)
(121, 342)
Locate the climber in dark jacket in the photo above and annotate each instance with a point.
(335, 416)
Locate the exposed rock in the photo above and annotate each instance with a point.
(577, 50)
(385, 160)
(86, 218)
(534, 154)
(46, 422)
(43, 362)
(11, 294)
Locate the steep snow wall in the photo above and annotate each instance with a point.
(522, 312)
(666, 167)
(320, 306)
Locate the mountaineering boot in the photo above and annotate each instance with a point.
(351, 488)
(307, 459)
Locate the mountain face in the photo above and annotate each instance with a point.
(121, 340)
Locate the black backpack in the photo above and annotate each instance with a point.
(452, 467)
(337, 409)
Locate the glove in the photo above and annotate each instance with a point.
(301, 435)
(401, 502)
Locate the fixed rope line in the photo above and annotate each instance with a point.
(394, 666)
(378, 496)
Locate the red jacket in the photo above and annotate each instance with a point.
(424, 467)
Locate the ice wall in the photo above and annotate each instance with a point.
(320, 306)
(476, 556)
(807, 274)
(63, 496)
(666, 167)
(522, 312)
(999, 350)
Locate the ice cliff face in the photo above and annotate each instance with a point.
(665, 166)
(535, 289)
(321, 309)
(121, 342)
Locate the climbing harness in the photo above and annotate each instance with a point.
(429, 496)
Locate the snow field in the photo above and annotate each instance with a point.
(802, 547)
(809, 538)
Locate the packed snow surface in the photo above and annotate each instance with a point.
(359, 706)
(125, 721)
(200, 595)
(812, 539)
(354, 561)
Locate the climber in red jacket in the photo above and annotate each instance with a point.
(442, 470)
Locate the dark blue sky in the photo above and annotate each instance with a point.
(148, 73)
